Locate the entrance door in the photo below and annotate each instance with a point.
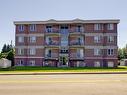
(64, 61)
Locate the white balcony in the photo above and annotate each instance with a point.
(77, 31)
(52, 44)
(76, 43)
(51, 56)
(76, 56)
(52, 31)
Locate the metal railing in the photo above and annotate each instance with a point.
(52, 55)
(76, 55)
(75, 42)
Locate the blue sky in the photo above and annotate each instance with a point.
(21, 10)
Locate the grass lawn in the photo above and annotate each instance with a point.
(60, 69)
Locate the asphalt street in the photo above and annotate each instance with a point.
(75, 84)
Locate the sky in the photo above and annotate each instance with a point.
(36, 10)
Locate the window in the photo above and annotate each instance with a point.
(20, 39)
(20, 51)
(32, 39)
(32, 27)
(48, 28)
(98, 27)
(97, 39)
(80, 53)
(20, 63)
(48, 52)
(48, 40)
(97, 64)
(110, 39)
(110, 26)
(20, 28)
(79, 28)
(110, 64)
(32, 51)
(97, 51)
(64, 40)
(110, 51)
(32, 62)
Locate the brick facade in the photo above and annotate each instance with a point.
(69, 43)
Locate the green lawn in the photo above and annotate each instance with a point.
(60, 69)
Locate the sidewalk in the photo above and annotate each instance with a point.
(61, 73)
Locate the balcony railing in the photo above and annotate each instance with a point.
(52, 43)
(76, 56)
(77, 31)
(75, 42)
(51, 31)
(52, 55)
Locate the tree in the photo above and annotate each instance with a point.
(120, 54)
(4, 48)
(10, 56)
(125, 53)
(8, 52)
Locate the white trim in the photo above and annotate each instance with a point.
(32, 27)
(29, 35)
(110, 64)
(100, 58)
(27, 57)
(30, 47)
(97, 64)
(100, 34)
(100, 47)
(20, 39)
(68, 21)
(32, 39)
(86, 47)
(110, 26)
(97, 52)
(84, 57)
(21, 28)
(86, 34)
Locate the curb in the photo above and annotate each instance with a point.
(62, 73)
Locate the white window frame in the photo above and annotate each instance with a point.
(98, 26)
(110, 64)
(49, 28)
(97, 64)
(80, 53)
(47, 52)
(32, 63)
(21, 28)
(81, 29)
(33, 39)
(97, 51)
(32, 51)
(20, 39)
(110, 26)
(110, 51)
(20, 63)
(20, 51)
(32, 27)
(97, 39)
(47, 39)
(110, 39)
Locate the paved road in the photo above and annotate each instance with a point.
(93, 84)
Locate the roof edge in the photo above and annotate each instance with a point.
(52, 21)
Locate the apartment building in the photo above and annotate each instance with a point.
(66, 43)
